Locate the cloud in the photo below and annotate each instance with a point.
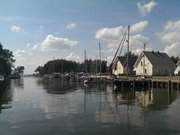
(16, 28)
(21, 55)
(173, 49)
(53, 43)
(73, 56)
(110, 33)
(146, 8)
(139, 27)
(71, 26)
(112, 36)
(22, 52)
(169, 37)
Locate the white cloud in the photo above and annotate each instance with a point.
(71, 26)
(139, 27)
(169, 37)
(145, 8)
(21, 52)
(73, 56)
(110, 33)
(16, 28)
(173, 49)
(112, 36)
(53, 43)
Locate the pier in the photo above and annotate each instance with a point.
(149, 82)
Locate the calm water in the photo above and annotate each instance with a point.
(40, 107)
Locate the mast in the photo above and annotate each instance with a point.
(144, 60)
(128, 38)
(85, 63)
(96, 66)
(100, 58)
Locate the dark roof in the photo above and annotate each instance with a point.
(157, 58)
(178, 63)
(123, 60)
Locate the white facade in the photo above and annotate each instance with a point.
(144, 67)
(119, 69)
(177, 71)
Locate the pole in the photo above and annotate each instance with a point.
(100, 57)
(85, 64)
(144, 60)
(128, 50)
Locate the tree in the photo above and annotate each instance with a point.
(66, 66)
(19, 69)
(6, 61)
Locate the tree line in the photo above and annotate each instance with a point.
(6, 61)
(66, 66)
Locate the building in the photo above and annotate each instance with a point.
(119, 66)
(177, 70)
(154, 63)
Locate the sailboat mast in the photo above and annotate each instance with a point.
(144, 60)
(128, 49)
(100, 57)
(85, 63)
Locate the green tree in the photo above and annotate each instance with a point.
(6, 61)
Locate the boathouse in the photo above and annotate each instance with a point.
(119, 66)
(154, 63)
(177, 70)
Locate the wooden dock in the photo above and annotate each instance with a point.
(163, 82)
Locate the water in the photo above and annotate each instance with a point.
(40, 107)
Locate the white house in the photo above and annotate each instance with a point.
(154, 63)
(177, 70)
(119, 66)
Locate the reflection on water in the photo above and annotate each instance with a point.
(18, 83)
(5, 95)
(57, 86)
(54, 107)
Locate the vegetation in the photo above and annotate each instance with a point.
(65, 66)
(6, 61)
(19, 69)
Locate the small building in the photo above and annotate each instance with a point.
(154, 63)
(177, 70)
(119, 66)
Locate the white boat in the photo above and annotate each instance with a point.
(1, 78)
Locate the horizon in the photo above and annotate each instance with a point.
(39, 31)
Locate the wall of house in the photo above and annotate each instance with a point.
(119, 69)
(147, 66)
(177, 71)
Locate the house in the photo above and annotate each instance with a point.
(177, 70)
(119, 66)
(154, 63)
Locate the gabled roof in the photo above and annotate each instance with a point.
(156, 58)
(123, 60)
(178, 63)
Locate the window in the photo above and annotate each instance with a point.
(141, 63)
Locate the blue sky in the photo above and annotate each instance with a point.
(40, 30)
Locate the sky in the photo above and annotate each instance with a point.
(41, 30)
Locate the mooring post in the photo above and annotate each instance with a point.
(133, 84)
(169, 85)
(177, 85)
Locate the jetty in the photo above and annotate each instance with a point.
(164, 82)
